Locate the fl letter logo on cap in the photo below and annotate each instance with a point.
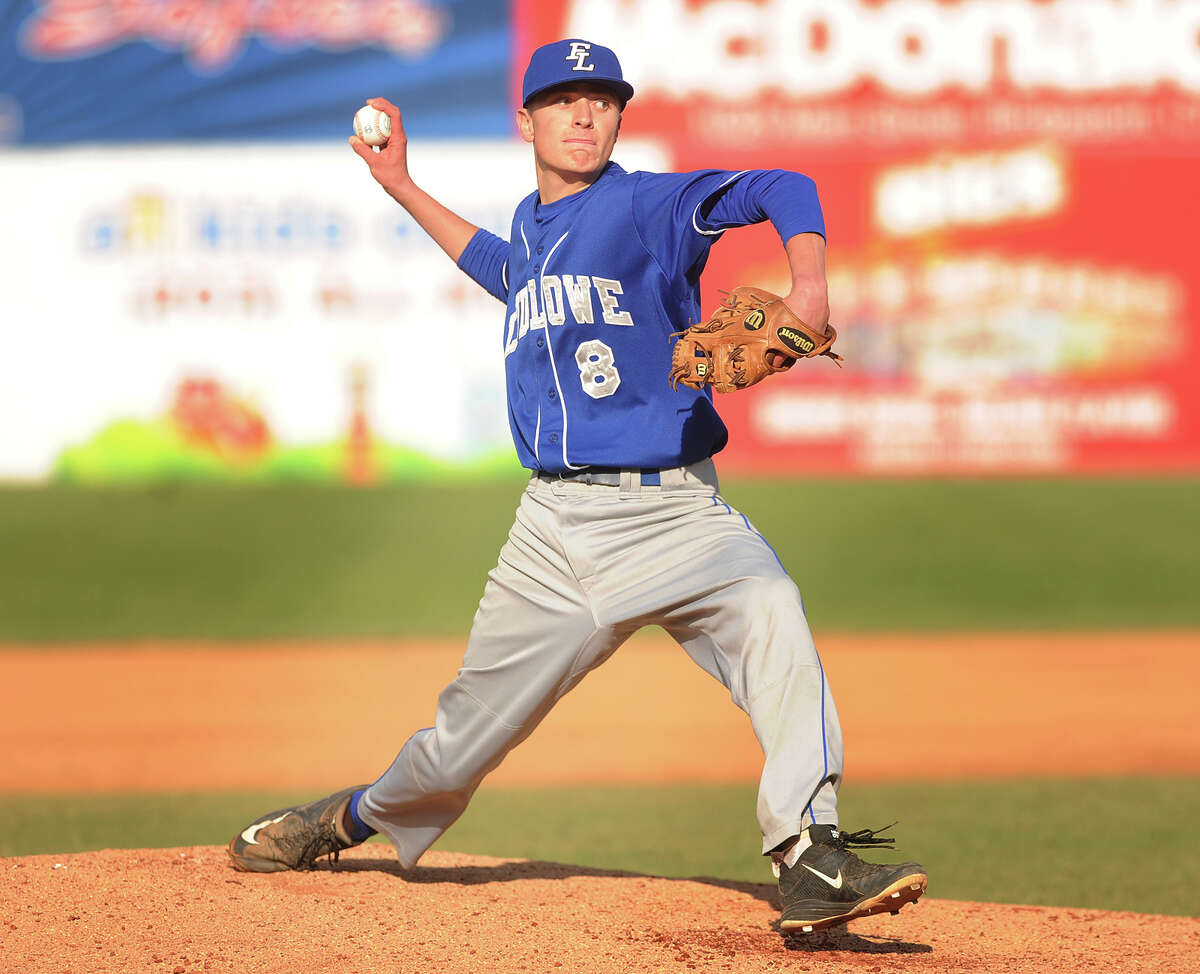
(579, 53)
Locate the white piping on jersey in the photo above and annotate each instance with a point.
(696, 211)
(524, 241)
(562, 402)
(537, 433)
(504, 275)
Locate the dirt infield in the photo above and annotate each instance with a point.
(155, 718)
(183, 910)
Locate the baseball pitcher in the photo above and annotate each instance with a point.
(610, 369)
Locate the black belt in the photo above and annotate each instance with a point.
(604, 476)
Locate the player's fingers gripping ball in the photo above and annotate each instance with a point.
(751, 335)
(372, 126)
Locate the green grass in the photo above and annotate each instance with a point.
(928, 555)
(263, 562)
(246, 563)
(306, 561)
(1122, 844)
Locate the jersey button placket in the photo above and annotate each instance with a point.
(541, 341)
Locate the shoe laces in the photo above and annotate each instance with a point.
(319, 840)
(864, 838)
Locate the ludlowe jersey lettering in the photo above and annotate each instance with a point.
(595, 285)
(557, 299)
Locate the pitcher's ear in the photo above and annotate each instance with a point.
(525, 124)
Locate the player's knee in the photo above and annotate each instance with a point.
(779, 601)
(457, 764)
(778, 637)
(447, 777)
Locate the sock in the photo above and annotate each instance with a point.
(360, 831)
(791, 855)
(797, 850)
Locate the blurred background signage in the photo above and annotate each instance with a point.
(201, 279)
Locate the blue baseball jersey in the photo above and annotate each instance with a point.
(595, 285)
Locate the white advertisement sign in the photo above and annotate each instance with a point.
(247, 305)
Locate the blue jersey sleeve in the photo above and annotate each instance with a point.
(485, 261)
(679, 215)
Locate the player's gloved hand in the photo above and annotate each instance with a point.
(751, 335)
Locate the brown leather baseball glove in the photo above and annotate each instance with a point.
(751, 335)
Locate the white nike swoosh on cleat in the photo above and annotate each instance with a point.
(834, 881)
(253, 830)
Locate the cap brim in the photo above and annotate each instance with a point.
(622, 89)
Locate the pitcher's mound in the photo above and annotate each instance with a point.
(183, 910)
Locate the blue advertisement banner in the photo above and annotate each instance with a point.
(184, 70)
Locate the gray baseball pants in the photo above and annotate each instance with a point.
(586, 566)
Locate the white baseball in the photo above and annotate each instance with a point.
(372, 126)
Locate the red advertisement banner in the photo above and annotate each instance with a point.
(1010, 195)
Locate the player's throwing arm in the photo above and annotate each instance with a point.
(388, 163)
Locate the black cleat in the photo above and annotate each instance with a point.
(293, 838)
(830, 885)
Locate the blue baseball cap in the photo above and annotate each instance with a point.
(573, 61)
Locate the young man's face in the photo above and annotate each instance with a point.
(573, 128)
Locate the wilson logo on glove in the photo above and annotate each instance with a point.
(751, 335)
(795, 341)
